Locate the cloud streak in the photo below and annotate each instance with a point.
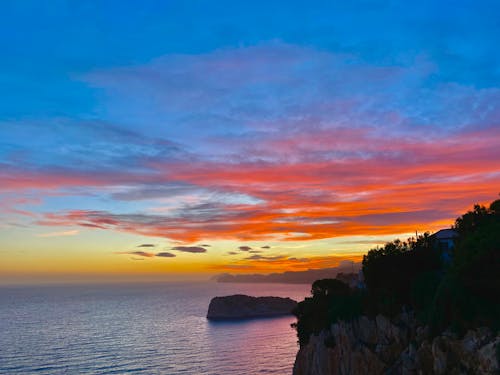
(328, 145)
(144, 254)
(190, 249)
(165, 254)
(278, 263)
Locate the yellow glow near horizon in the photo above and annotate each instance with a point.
(87, 255)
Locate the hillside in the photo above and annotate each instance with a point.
(426, 308)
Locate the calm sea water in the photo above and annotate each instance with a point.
(145, 329)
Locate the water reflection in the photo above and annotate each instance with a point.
(147, 329)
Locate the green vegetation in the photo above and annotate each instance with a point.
(469, 294)
(401, 275)
(331, 300)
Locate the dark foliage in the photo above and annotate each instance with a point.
(469, 295)
(331, 300)
(400, 274)
(329, 287)
(463, 294)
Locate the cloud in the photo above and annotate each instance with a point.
(205, 245)
(268, 258)
(232, 253)
(265, 247)
(165, 254)
(145, 254)
(244, 248)
(146, 245)
(358, 241)
(234, 267)
(367, 205)
(66, 233)
(85, 152)
(160, 190)
(327, 145)
(190, 249)
(275, 89)
(138, 253)
(278, 263)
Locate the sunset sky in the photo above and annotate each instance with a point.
(179, 139)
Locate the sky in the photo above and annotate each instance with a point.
(180, 139)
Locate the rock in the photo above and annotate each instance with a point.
(366, 330)
(439, 353)
(346, 357)
(424, 361)
(397, 346)
(488, 357)
(422, 334)
(240, 306)
(471, 341)
(408, 360)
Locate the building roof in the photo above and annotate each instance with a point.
(445, 234)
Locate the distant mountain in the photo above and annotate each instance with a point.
(289, 277)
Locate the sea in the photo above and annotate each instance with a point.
(156, 328)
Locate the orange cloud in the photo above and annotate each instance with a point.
(374, 186)
(282, 263)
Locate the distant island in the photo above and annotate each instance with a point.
(240, 306)
(291, 277)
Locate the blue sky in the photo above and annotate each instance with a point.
(293, 122)
(47, 45)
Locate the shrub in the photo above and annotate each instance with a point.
(411, 274)
(401, 274)
(331, 300)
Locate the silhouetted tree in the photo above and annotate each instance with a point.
(331, 300)
(399, 274)
(465, 294)
(469, 295)
(329, 288)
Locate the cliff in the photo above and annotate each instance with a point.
(240, 306)
(398, 346)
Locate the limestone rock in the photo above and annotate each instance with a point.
(488, 357)
(397, 346)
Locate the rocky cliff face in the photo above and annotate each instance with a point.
(399, 346)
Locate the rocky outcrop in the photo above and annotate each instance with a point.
(399, 346)
(240, 306)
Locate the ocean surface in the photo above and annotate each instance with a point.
(141, 328)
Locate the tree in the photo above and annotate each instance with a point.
(462, 295)
(401, 274)
(329, 288)
(469, 294)
(331, 300)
